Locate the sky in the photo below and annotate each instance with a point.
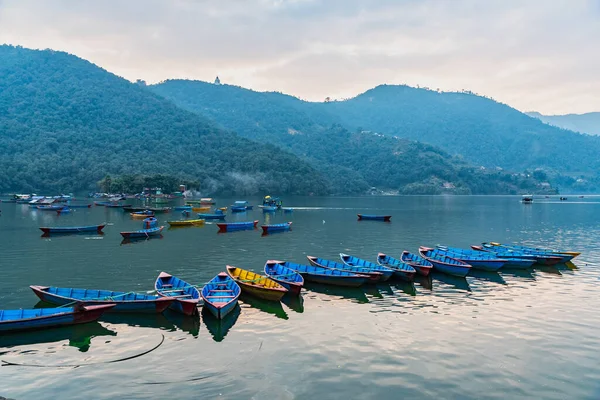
(541, 55)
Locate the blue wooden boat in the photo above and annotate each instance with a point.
(269, 208)
(543, 259)
(221, 295)
(374, 276)
(79, 205)
(143, 233)
(51, 207)
(124, 301)
(565, 256)
(288, 278)
(211, 216)
(386, 273)
(287, 209)
(241, 205)
(286, 226)
(115, 205)
(421, 265)
(102, 203)
(186, 296)
(515, 260)
(236, 226)
(72, 229)
(328, 276)
(371, 217)
(401, 270)
(480, 261)
(41, 318)
(476, 257)
(183, 208)
(238, 209)
(443, 263)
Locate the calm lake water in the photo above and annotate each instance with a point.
(517, 334)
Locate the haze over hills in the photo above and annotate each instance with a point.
(312, 132)
(584, 123)
(65, 123)
(480, 130)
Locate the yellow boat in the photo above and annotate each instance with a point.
(201, 209)
(140, 216)
(256, 285)
(187, 222)
(224, 209)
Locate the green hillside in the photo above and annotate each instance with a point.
(354, 159)
(66, 123)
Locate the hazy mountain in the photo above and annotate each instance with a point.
(350, 157)
(65, 123)
(583, 123)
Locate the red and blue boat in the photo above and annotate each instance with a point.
(352, 261)
(51, 207)
(374, 276)
(236, 226)
(123, 301)
(42, 318)
(143, 233)
(221, 295)
(401, 270)
(286, 277)
(565, 256)
(540, 258)
(186, 296)
(328, 276)
(421, 265)
(286, 226)
(207, 216)
(72, 229)
(371, 217)
(482, 261)
(443, 263)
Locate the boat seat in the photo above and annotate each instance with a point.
(167, 285)
(220, 290)
(181, 296)
(219, 297)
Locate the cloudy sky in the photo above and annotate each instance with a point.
(539, 55)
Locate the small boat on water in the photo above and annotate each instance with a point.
(79, 206)
(286, 277)
(374, 276)
(287, 209)
(201, 209)
(142, 214)
(102, 203)
(236, 226)
(187, 222)
(237, 209)
(256, 285)
(207, 200)
(401, 270)
(221, 295)
(240, 206)
(386, 273)
(527, 199)
(328, 276)
(474, 257)
(72, 229)
(123, 301)
(134, 209)
(477, 261)
(183, 208)
(42, 318)
(540, 258)
(566, 255)
(51, 207)
(421, 265)
(212, 216)
(443, 263)
(115, 205)
(515, 260)
(371, 217)
(159, 210)
(143, 233)
(186, 296)
(286, 226)
(268, 208)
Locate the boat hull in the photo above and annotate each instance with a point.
(144, 233)
(74, 229)
(156, 305)
(420, 268)
(450, 269)
(220, 312)
(236, 226)
(364, 217)
(262, 292)
(372, 276)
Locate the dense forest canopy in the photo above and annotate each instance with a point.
(479, 130)
(66, 123)
(355, 158)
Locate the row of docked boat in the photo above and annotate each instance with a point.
(220, 295)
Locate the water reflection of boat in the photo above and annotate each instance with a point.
(79, 336)
(140, 240)
(219, 328)
(490, 276)
(459, 282)
(158, 320)
(377, 291)
(425, 281)
(407, 287)
(524, 274)
(186, 323)
(295, 303)
(548, 269)
(268, 306)
(345, 292)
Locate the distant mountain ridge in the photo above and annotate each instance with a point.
(66, 123)
(359, 157)
(583, 123)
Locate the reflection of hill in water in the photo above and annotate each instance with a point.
(79, 336)
(219, 328)
(270, 307)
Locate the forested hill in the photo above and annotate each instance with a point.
(66, 123)
(353, 159)
(584, 123)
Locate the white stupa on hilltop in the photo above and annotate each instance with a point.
(217, 81)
